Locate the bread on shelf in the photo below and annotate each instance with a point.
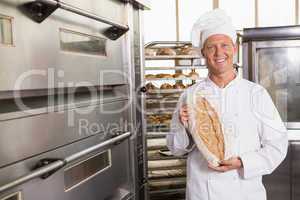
(166, 52)
(193, 75)
(165, 118)
(159, 119)
(150, 86)
(150, 52)
(166, 86)
(165, 121)
(178, 86)
(188, 50)
(164, 76)
(153, 119)
(149, 76)
(179, 75)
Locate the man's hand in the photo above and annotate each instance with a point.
(183, 114)
(226, 165)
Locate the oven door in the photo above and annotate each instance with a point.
(65, 50)
(25, 137)
(88, 169)
(276, 67)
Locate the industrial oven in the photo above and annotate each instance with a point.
(271, 58)
(69, 118)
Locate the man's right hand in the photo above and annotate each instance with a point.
(183, 114)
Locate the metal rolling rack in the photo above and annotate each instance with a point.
(166, 173)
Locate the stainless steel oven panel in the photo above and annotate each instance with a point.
(278, 183)
(274, 64)
(295, 175)
(26, 137)
(36, 59)
(110, 9)
(115, 181)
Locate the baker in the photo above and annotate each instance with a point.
(246, 112)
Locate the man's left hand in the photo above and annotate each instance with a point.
(226, 165)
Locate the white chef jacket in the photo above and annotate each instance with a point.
(258, 137)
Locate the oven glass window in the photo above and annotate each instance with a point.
(279, 73)
(85, 170)
(15, 196)
(6, 30)
(72, 41)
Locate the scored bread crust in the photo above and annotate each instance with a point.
(206, 129)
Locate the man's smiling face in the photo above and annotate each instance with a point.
(219, 51)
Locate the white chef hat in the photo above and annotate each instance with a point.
(211, 23)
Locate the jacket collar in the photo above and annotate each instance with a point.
(231, 83)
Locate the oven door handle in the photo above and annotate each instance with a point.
(39, 10)
(60, 163)
(114, 140)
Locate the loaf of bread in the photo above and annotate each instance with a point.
(164, 76)
(159, 119)
(166, 52)
(178, 86)
(193, 75)
(150, 52)
(153, 119)
(206, 129)
(179, 75)
(166, 86)
(188, 50)
(150, 86)
(150, 76)
(165, 119)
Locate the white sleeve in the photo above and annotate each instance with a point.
(273, 138)
(179, 142)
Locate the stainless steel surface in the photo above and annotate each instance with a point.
(94, 148)
(37, 67)
(12, 111)
(45, 65)
(274, 64)
(277, 43)
(6, 30)
(138, 104)
(113, 182)
(295, 175)
(58, 164)
(271, 33)
(293, 134)
(145, 4)
(32, 175)
(172, 43)
(278, 184)
(65, 6)
(14, 196)
(56, 129)
(247, 62)
(86, 169)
